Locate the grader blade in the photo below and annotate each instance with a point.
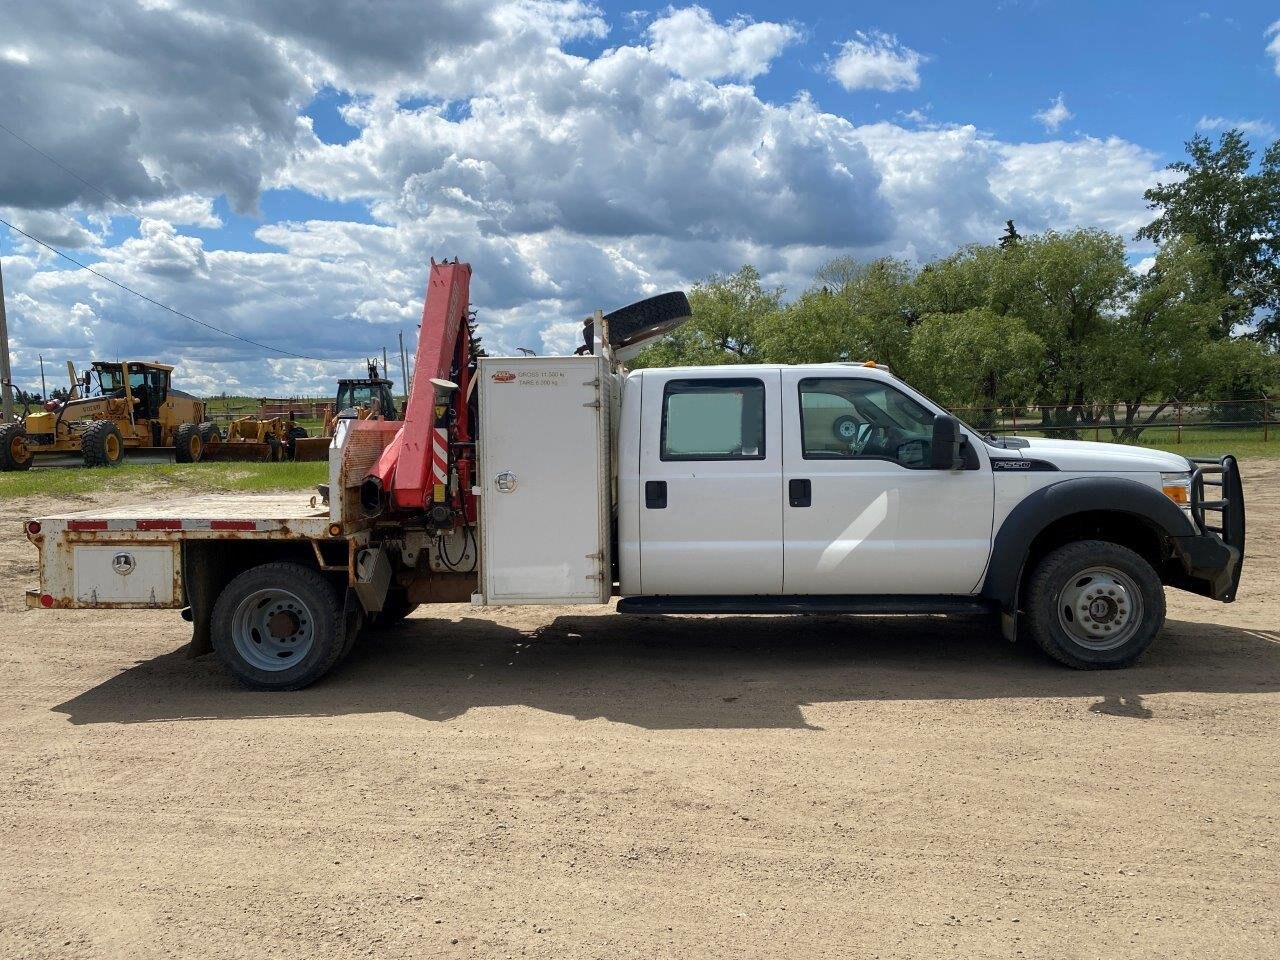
(237, 451)
(311, 449)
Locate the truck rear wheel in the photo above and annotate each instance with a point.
(187, 445)
(1094, 605)
(101, 444)
(15, 451)
(278, 626)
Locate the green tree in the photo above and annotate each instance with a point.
(816, 327)
(867, 317)
(1010, 237)
(976, 361)
(963, 281)
(1067, 289)
(1224, 205)
(1160, 343)
(729, 313)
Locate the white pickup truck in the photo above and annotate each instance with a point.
(831, 488)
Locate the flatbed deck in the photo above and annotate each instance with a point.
(131, 555)
(298, 514)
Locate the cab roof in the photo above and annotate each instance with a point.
(115, 365)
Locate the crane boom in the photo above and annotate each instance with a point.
(414, 467)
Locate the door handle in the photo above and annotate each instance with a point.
(655, 494)
(800, 493)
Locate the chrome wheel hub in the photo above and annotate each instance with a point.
(1100, 607)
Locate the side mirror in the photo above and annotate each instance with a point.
(947, 442)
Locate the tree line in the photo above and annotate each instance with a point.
(1058, 322)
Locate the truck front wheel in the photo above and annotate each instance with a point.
(1094, 605)
(278, 626)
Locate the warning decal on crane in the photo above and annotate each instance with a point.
(439, 457)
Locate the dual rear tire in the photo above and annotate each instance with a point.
(283, 626)
(279, 626)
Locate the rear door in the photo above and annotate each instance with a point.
(865, 513)
(710, 497)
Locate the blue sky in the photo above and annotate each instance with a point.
(286, 170)
(1144, 71)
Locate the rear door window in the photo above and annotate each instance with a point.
(713, 420)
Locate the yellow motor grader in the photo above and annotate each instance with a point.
(265, 439)
(114, 410)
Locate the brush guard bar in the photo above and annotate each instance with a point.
(1217, 507)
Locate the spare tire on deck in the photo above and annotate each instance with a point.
(642, 321)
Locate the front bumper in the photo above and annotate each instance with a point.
(1210, 566)
(1213, 560)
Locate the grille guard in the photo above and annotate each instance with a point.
(1221, 475)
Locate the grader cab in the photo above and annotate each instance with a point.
(116, 409)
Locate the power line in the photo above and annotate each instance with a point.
(65, 169)
(134, 212)
(152, 300)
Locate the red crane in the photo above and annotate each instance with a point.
(413, 473)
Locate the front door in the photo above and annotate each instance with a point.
(710, 497)
(865, 514)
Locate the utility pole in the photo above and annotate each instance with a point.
(404, 367)
(44, 391)
(6, 396)
(386, 371)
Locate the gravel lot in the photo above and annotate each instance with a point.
(554, 782)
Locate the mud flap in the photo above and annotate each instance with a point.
(200, 591)
(1009, 625)
(352, 620)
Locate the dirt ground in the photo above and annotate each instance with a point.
(554, 782)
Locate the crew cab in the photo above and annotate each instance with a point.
(824, 488)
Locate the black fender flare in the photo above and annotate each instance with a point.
(1078, 495)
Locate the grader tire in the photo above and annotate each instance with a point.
(187, 445)
(15, 451)
(101, 445)
(295, 433)
(209, 433)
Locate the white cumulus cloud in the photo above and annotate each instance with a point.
(877, 61)
(1054, 115)
(690, 42)
(571, 181)
(1273, 47)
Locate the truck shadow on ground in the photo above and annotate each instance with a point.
(685, 672)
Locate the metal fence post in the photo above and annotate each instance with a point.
(1178, 407)
(1266, 418)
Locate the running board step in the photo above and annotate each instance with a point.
(799, 603)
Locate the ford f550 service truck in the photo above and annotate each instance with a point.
(825, 488)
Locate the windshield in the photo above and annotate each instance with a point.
(110, 379)
(374, 397)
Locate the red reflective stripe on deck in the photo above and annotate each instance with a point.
(86, 524)
(233, 525)
(159, 524)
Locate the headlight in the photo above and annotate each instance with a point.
(1177, 487)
